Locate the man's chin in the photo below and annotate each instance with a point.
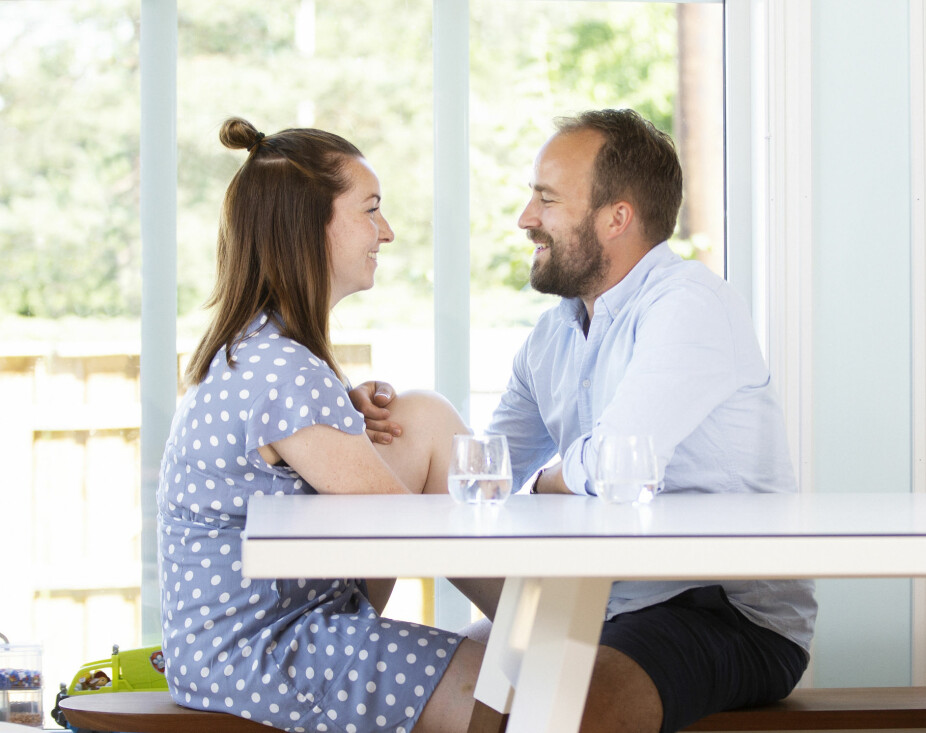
(541, 284)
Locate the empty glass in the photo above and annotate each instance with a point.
(625, 469)
(480, 469)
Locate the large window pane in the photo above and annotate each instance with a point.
(662, 59)
(69, 309)
(361, 69)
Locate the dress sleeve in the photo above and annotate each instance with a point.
(293, 397)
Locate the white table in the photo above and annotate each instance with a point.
(559, 555)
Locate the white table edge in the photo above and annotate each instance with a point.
(630, 558)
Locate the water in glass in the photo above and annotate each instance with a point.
(625, 469)
(480, 469)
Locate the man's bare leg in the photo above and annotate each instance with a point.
(621, 697)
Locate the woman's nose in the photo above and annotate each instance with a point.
(385, 231)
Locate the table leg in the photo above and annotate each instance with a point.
(507, 641)
(556, 666)
(486, 720)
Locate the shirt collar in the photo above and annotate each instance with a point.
(572, 310)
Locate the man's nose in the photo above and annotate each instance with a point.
(529, 218)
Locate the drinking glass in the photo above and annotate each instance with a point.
(480, 469)
(626, 469)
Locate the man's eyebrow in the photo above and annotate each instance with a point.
(542, 188)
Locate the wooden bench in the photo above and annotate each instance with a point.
(864, 708)
(849, 708)
(148, 712)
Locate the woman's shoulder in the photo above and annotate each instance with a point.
(264, 358)
(264, 344)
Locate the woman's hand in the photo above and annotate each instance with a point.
(370, 400)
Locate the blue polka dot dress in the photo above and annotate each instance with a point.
(295, 654)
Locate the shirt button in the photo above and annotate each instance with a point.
(586, 383)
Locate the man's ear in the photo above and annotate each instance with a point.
(619, 216)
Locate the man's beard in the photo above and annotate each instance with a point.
(573, 269)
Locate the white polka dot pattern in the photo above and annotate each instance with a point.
(299, 655)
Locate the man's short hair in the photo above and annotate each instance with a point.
(637, 163)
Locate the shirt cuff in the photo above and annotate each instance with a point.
(574, 474)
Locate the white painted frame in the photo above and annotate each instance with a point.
(785, 219)
(782, 96)
(918, 290)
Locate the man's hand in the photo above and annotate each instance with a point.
(370, 400)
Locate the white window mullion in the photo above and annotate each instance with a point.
(451, 238)
(158, 53)
(451, 201)
(739, 113)
(788, 222)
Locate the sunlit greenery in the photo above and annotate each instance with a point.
(69, 131)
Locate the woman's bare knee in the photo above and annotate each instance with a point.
(422, 407)
(420, 456)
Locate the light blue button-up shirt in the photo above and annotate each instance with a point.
(671, 352)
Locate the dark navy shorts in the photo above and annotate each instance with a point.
(704, 656)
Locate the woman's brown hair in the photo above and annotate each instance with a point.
(272, 253)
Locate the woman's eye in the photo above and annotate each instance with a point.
(373, 210)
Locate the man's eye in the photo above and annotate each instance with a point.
(545, 201)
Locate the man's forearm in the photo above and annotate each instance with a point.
(551, 481)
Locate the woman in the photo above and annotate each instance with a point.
(267, 411)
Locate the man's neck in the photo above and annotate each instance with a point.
(589, 313)
(619, 269)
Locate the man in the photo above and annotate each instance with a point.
(644, 343)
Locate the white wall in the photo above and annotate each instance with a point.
(862, 305)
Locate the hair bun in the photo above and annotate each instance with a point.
(238, 133)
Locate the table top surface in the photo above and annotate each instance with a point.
(550, 516)
(677, 536)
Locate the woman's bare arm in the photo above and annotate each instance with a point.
(334, 462)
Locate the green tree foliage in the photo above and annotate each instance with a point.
(69, 140)
(69, 127)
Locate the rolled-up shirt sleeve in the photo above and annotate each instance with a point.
(519, 419)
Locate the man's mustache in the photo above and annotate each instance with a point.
(538, 236)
